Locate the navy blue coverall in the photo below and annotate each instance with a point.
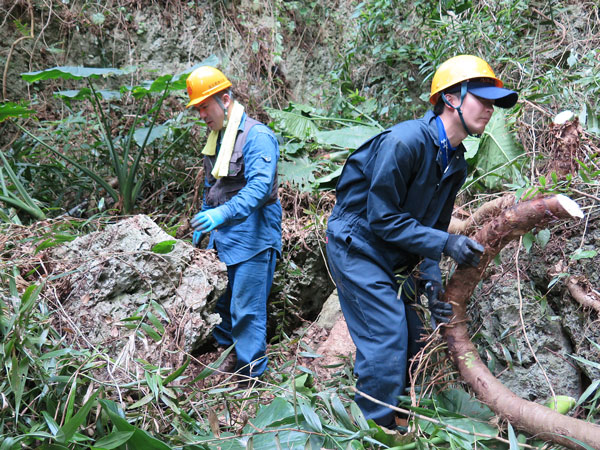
(393, 206)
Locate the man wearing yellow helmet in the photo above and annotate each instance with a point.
(388, 229)
(242, 212)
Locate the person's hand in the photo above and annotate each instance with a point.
(208, 220)
(197, 237)
(441, 312)
(463, 250)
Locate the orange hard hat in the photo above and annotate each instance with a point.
(204, 82)
(461, 68)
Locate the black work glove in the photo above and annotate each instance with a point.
(463, 250)
(441, 312)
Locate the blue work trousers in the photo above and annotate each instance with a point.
(385, 328)
(243, 311)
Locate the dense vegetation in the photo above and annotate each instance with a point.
(115, 141)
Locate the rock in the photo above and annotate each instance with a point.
(330, 313)
(338, 346)
(504, 345)
(133, 303)
(301, 284)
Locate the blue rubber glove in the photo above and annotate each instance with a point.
(441, 312)
(197, 237)
(208, 220)
(463, 250)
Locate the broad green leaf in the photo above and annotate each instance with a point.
(348, 137)
(86, 93)
(294, 123)
(330, 177)
(583, 254)
(170, 82)
(460, 402)
(164, 247)
(543, 237)
(275, 411)
(299, 172)
(9, 110)
(528, 241)
(70, 73)
(158, 131)
(495, 153)
(113, 440)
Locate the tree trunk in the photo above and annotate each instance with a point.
(529, 416)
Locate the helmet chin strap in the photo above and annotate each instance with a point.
(463, 94)
(220, 103)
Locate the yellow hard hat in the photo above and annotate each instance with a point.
(204, 82)
(461, 68)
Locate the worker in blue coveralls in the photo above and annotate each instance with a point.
(388, 229)
(242, 210)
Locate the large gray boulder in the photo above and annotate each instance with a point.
(124, 296)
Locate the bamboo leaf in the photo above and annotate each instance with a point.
(173, 376)
(151, 332)
(313, 420)
(140, 439)
(512, 438)
(341, 412)
(113, 440)
(70, 427)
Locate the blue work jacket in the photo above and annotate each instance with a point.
(251, 226)
(397, 196)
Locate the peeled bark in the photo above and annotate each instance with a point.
(534, 418)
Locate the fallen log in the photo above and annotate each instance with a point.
(531, 417)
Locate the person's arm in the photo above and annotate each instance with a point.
(261, 153)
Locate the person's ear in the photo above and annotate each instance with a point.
(226, 99)
(452, 99)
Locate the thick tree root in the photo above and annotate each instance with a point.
(534, 418)
(580, 290)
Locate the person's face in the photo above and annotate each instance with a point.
(477, 111)
(212, 113)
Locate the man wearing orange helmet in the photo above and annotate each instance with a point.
(388, 229)
(242, 212)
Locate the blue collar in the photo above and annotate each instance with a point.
(446, 150)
